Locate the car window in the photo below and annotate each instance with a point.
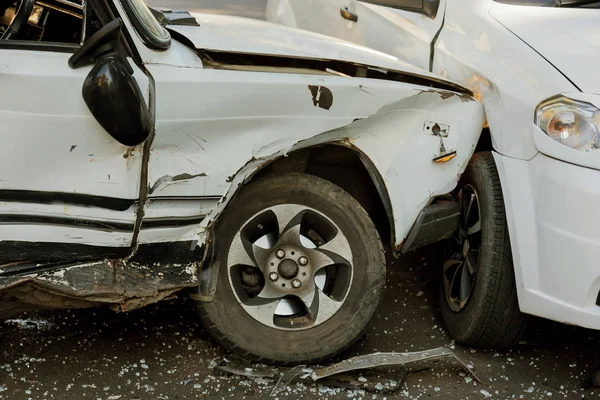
(151, 31)
(51, 21)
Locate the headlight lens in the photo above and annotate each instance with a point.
(572, 123)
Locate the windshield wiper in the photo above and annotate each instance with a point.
(575, 3)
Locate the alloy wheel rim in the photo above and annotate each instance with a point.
(290, 267)
(460, 270)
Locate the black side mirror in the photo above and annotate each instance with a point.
(431, 7)
(110, 91)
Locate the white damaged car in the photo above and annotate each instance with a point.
(255, 167)
(530, 242)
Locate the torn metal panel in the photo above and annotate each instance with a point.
(254, 40)
(168, 179)
(387, 359)
(398, 155)
(371, 381)
(122, 286)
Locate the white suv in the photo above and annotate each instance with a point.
(250, 165)
(530, 238)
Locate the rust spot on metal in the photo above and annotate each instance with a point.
(129, 152)
(322, 97)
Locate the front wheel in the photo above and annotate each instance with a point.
(478, 294)
(301, 271)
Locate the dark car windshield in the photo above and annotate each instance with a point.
(554, 3)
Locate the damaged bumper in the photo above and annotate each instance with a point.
(552, 208)
(124, 286)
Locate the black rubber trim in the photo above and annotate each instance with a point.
(187, 198)
(222, 60)
(13, 251)
(108, 226)
(75, 199)
(39, 46)
(13, 219)
(598, 299)
(171, 222)
(434, 41)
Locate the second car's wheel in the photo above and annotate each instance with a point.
(478, 295)
(301, 271)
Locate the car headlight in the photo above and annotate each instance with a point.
(573, 123)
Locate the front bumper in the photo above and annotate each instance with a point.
(553, 213)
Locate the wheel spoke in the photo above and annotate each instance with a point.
(240, 253)
(453, 282)
(261, 257)
(261, 309)
(466, 282)
(475, 228)
(471, 201)
(287, 216)
(450, 263)
(318, 259)
(339, 246)
(470, 266)
(309, 296)
(326, 307)
(270, 291)
(320, 307)
(291, 237)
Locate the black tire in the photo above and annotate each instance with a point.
(491, 317)
(234, 328)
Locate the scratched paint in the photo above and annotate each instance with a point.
(321, 96)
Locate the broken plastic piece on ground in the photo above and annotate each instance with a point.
(387, 359)
(286, 378)
(236, 367)
(371, 381)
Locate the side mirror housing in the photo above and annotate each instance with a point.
(431, 7)
(116, 101)
(110, 91)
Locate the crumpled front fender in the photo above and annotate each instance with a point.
(398, 150)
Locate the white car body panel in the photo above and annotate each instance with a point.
(575, 54)
(513, 57)
(59, 147)
(249, 36)
(404, 34)
(261, 130)
(216, 125)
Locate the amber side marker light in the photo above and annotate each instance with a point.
(445, 158)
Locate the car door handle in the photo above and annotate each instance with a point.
(349, 15)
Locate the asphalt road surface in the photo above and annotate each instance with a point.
(161, 352)
(245, 8)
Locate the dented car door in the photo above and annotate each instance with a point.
(68, 190)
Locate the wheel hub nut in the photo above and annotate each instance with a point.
(280, 253)
(296, 283)
(303, 260)
(288, 269)
(273, 276)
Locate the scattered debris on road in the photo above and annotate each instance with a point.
(370, 377)
(389, 359)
